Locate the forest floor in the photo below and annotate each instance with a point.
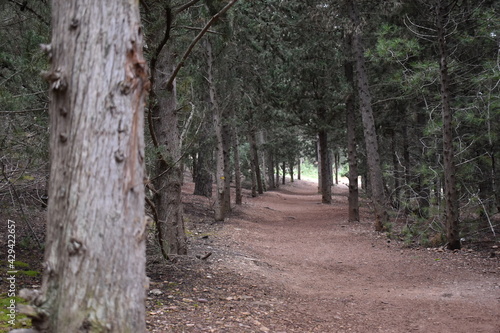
(283, 262)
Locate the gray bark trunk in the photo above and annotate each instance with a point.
(219, 207)
(450, 191)
(372, 152)
(94, 278)
(352, 153)
(169, 176)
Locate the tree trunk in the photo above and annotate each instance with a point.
(270, 170)
(318, 157)
(253, 178)
(396, 198)
(203, 180)
(450, 190)
(353, 159)
(277, 173)
(325, 187)
(169, 177)
(352, 154)
(94, 278)
(226, 152)
(337, 162)
(237, 169)
(255, 158)
(372, 152)
(284, 172)
(299, 164)
(219, 205)
(291, 163)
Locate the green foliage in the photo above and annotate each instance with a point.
(309, 169)
(21, 321)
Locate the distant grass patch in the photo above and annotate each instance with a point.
(309, 170)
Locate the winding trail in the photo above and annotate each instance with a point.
(343, 277)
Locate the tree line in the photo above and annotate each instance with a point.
(405, 94)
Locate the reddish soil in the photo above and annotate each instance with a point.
(285, 263)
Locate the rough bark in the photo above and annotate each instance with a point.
(450, 190)
(352, 153)
(94, 270)
(219, 208)
(169, 177)
(372, 151)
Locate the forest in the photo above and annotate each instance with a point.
(400, 97)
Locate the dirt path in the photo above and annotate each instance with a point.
(283, 263)
(340, 277)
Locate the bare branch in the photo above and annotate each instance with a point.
(198, 29)
(23, 6)
(195, 41)
(186, 6)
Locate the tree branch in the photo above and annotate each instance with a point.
(195, 41)
(23, 6)
(186, 6)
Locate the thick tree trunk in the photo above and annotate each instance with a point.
(94, 278)
(169, 177)
(450, 190)
(372, 152)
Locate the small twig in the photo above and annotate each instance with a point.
(199, 29)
